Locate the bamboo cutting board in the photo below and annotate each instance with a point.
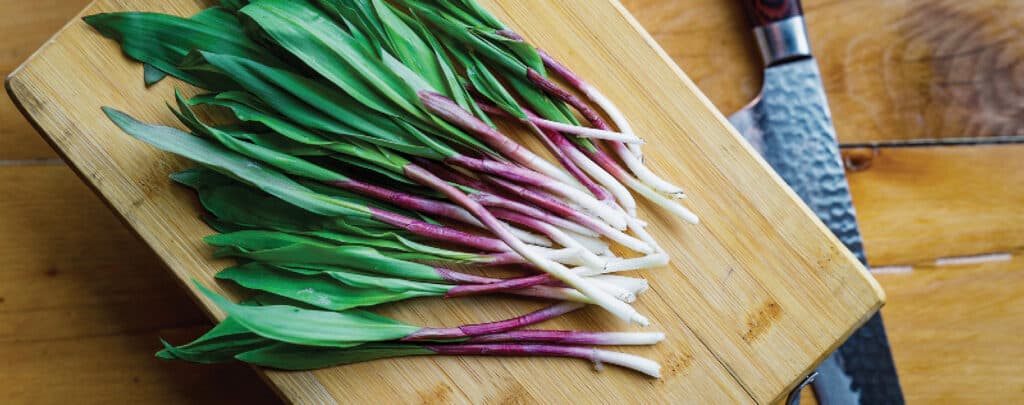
(754, 298)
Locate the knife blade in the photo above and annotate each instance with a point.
(790, 124)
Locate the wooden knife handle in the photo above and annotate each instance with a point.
(764, 12)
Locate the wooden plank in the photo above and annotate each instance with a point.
(83, 303)
(740, 319)
(919, 204)
(955, 332)
(893, 70)
(29, 24)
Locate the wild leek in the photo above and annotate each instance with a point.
(362, 163)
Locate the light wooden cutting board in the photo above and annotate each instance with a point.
(755, 296)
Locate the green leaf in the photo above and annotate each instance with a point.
(319, 290)
(524, 52)
(163, 41)
(234, 202)
(151, 74)
(408, 46)
(481, 15)
(358, 21)
(237, 166)
(490, 87)
(294, 357)
(247, 108)
(258, 239)
(312, 327)
(234, 5)
(308, 103)
(361, 258)
(326, 48)
(218, 345)
(283, 161)
(358, 280)
(463, 35)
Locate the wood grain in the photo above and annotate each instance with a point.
(83, 303)
(955, 332)
(893, 70)
(28, 24)
(919, 204)
(740, 319)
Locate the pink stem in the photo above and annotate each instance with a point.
(454, 176)
(494, 327)
(405, 200)
(557, 91)
(437, 232)
(547, 202)
(600, 192)
(450, 111)
(465, 278)
(509, 171)
(547, 336)
(509, 284)
(492, 197)
(595, 356)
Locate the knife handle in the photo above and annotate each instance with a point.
(764, 12)
(779, 30)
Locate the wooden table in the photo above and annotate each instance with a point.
(82, 302)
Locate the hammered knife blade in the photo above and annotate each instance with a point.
(790, 125)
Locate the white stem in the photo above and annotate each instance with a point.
(586, 287)
(662, 201)
(640, 229)
(637, 263)
(634, 285)
(603, 178)
(529, 237)
(623, 239)
(588, 258)
(607, 213)
(596, 245)
(548, 169)
(629, 361)
(619, 292)
(586, 132)
(570, 256)
(616, 115)
(645, 174)
(631, 338)
(574, 228)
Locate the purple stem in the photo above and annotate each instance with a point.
(560, 93)
(509, 171)
(600, 192)
(548, 336)
(465, 278)
(547, 202)
(587, 353)
(575, 81)
(454, 176)
(437, 232)
(404, 200)
(509, 284)
(452, 112)
(549, 61)
(494, 327)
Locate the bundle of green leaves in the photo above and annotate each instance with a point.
(362, 161)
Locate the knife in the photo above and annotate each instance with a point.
(790, 125)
